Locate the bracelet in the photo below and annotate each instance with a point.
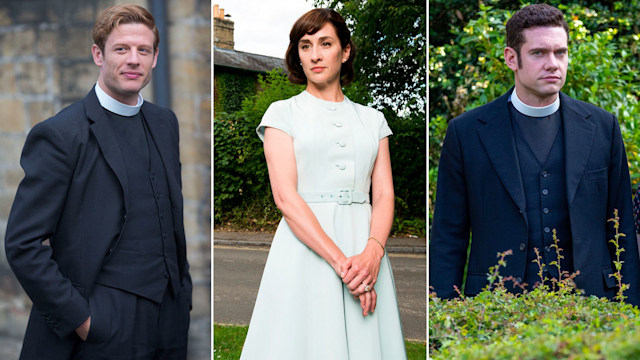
(379, 243)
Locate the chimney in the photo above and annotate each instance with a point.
(222, 29)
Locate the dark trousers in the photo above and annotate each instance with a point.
(127, 326)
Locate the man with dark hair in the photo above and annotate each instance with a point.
(96, 235)
(532, 165)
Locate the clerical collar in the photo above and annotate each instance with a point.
(116, 106)
(532, 110)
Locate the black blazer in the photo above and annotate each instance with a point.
(74, 193)
(480, 191)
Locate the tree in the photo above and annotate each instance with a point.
(390, 39)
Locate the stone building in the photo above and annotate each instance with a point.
(46, 64)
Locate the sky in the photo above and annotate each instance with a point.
(262, 26)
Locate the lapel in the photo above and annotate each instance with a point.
(579, 133)
(497, 139)
(103, 132)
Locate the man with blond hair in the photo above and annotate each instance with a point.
(96, 235)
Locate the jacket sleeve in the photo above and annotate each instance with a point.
(48, 161)
(450, 231)
(620, 198)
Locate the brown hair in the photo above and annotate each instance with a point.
(531, 16)
(116, 15)
(310, 23)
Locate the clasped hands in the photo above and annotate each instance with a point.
(361, 269)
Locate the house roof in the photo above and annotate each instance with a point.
(246, 61)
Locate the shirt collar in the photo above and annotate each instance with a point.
(116, 106)
(532, 110)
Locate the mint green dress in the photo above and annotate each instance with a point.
(303, 311)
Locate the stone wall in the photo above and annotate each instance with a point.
(45, 65)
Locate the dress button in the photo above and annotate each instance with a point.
(342, 144)
(546, 229)
(338, 123)
(522, 246)
(545, 192)
(545, 210)
(342, 166)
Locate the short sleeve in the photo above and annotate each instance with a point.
(277, 116)
(385, 130)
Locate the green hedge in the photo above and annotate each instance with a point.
(242, 194)
(552, 321)
(539, 325)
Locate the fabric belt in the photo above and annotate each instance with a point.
(342, 197)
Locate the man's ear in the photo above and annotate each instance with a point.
(98, 56)
(155, 58)
(511, 58)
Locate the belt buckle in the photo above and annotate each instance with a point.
(345, 197)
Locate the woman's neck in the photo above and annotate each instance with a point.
(327, 93)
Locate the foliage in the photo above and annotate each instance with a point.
(408, 161)
(230, 90)
(241, 185)
(540, 325)
(617, 262)
(555, 322)
(228, 341)
(391, 56)
(466, 68)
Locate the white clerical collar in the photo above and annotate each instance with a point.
(532, 110)
(116, 106)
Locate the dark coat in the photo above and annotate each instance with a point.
(74, 194)
(480, 192)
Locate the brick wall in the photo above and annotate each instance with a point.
(46, 64)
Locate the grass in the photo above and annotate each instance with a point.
(228, 340)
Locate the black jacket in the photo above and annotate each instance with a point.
(480, 192)
(74, 194)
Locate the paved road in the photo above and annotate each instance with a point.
(237, 273)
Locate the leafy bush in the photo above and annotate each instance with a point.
(539, 325)
(549, 322)
(231, 89)
(241, 188)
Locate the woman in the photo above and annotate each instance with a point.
(327, 291)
